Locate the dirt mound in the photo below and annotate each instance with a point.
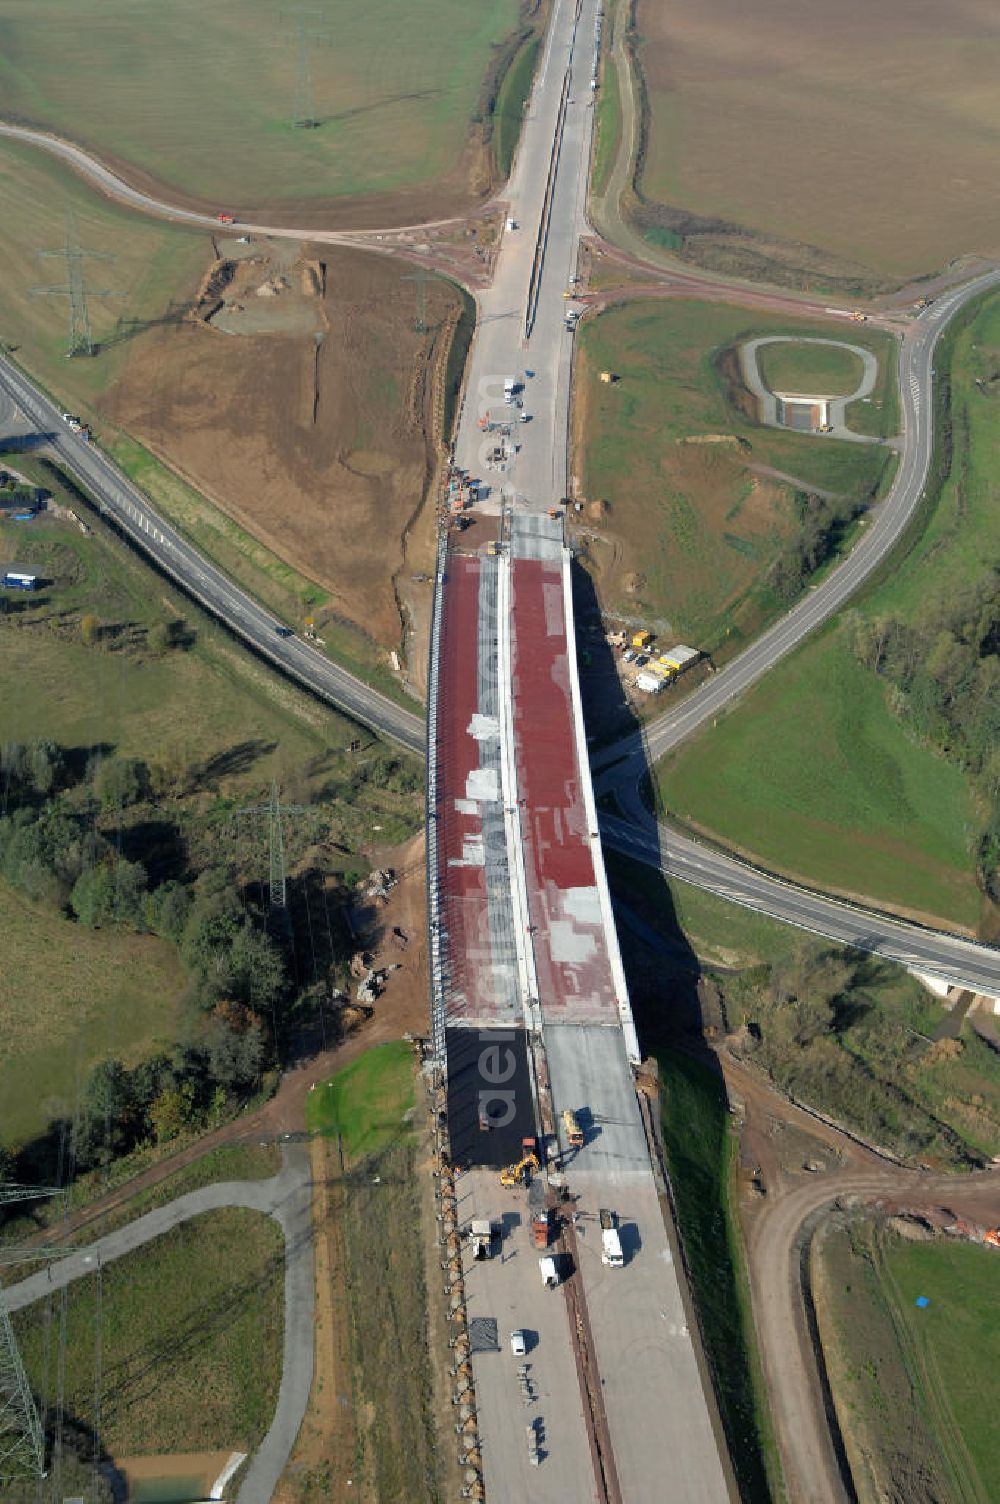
(315, 437)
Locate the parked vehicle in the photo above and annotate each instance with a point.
(518, 1343)
(611, 1243)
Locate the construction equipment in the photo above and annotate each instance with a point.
(572, 1129)
(611, 1245)
(541, 1215)
(641, 639)
(226, 219)
(859, 317)
(554, 512)
(481, 1237)
(549, 1271)
(608, 377)
(991, 1237)
(521, 1173)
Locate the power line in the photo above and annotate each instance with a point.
(81, 340)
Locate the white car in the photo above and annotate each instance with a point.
(518, 1343)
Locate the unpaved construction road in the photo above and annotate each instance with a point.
(779, 1227)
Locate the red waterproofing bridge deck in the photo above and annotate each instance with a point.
(478, 986)
(571, 958)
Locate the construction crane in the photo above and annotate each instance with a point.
(22, 1440)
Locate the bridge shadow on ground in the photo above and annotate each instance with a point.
(669, 997)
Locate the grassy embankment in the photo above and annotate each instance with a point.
(812, 773)
(367, 1109)
(915, 1388)
(512, 97)
(205, 99)
(155, 267)
(700, 1150)
(827, 211)
(162, 1334)
(214, 726)
(608, 123)
(691, 530)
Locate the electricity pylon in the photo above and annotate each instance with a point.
(419, 277)
(81, 341)
(304, 115)
(277, 893)
(22, 1441)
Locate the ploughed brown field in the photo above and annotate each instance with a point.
(869, 131)
(304, 415)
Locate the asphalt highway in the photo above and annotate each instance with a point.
(951, 958)
(197, 576)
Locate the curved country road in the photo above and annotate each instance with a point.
(286, 1197)
(112, 186)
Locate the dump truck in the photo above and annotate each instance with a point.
(481, 1234)
(611, 1243)
(572, 1129)
(541, 1216)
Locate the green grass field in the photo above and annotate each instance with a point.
(697, 529)
(812, 369)
(188, 1364)
(145, 263)
(811, 772)
(915, 1388)
(957, 1343)
(68, 998)
(203, 99)
(367, 1103)
(700, 1151)
(811, 776)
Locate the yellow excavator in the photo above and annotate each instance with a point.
(522, 1172)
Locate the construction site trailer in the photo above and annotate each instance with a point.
(650, 684)
(16, 577)
(680, 657)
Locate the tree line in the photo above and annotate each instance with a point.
(942, 675)
(58, 848)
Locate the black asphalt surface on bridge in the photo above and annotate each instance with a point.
(488, 1068)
